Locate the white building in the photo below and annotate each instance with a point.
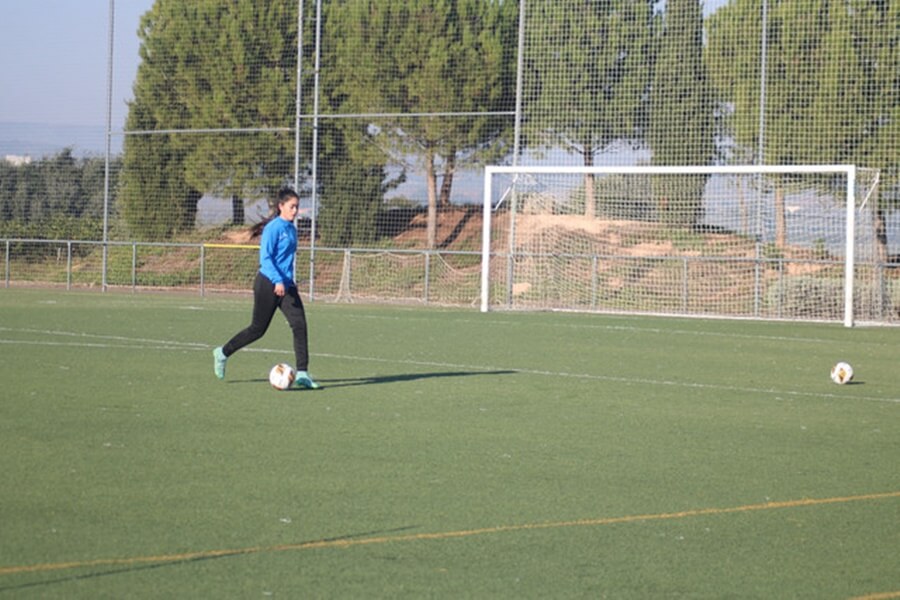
(16, 160)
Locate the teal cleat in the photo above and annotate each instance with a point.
(219, 359)
(303, 380)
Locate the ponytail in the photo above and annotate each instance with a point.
(284, 194)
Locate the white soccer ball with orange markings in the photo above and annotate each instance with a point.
(282, 376)
(841, 373)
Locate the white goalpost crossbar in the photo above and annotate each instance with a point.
(849, 171)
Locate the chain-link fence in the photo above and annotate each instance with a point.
(383, 114)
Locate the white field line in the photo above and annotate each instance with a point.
(648, 330)
(613, 379)
(151, 344)
(496, 319)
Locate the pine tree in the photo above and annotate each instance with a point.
(682, 113)
(832, 83)
(590, 66)
(209, 65)
(429, 56)
(245, 81)
(154, 197)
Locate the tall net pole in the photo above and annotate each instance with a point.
(109, 101)
(298, 104)
(760, 151)
(315, 154)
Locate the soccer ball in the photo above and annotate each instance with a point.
(841, 373)
(282, 376)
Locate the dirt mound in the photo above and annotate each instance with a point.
(457, 229)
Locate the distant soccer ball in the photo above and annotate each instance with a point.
(282, 376)
(841, 373)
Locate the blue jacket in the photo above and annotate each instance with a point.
(277, 249)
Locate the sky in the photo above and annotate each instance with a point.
(54, 59)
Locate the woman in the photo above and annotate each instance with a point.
(274, 288)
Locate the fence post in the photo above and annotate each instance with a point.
(427, 290)
(111, 19)
(202, 269)
(69, 265)
(781, 287)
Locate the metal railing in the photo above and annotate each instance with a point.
(676, 285)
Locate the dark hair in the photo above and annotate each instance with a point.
(284, 194)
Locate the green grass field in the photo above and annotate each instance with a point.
(452, 454)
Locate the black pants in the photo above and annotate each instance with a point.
(264, 304)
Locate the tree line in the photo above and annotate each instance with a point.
(595, 76)
(832, 89)
(58, 197)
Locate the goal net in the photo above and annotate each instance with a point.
(773, 242)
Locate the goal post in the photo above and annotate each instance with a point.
(776, 241)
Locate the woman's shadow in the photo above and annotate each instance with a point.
(374, 380)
